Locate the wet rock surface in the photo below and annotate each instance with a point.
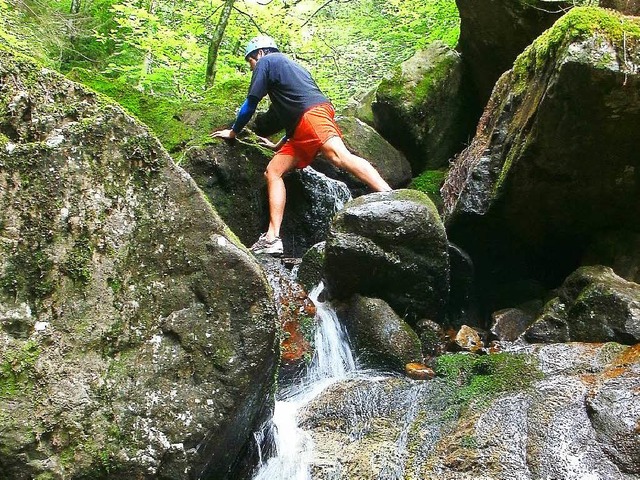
(381, 338)
(575, 420)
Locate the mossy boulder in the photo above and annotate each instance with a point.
(381, 338)
(137, 336)
(361, 108)
(231, 175)
(421, 110)
(365, 142)
(526, 202)
(390, 246)
(593, 305)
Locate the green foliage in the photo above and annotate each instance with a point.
(480, 378)
(358, 42)
(150, 55)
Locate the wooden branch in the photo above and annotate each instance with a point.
(250, 18)
(316, 12)
(213, 13)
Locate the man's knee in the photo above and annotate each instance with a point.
(273, 173)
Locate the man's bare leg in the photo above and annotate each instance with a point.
(336, 152)
(278, 166)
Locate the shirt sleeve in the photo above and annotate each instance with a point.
(247, 110)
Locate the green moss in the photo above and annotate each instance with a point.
(434, 78)
(308, 328)
(429, 182)
(17, 369)
(78, 265)
(115, 285)
(482, 377)
(579, 23)
(28, 272)
(161, 114)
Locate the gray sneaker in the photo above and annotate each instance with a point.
(263, 245)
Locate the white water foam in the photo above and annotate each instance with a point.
(332, 361)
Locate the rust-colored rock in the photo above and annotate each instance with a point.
(469, 339)
(419, 371)
(293, 346)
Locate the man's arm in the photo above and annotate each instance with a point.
(247, 110)
(269, 144)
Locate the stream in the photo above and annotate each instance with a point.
(332, 361)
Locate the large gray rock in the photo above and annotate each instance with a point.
(365, 142)
(421, 110)
(390, 246)
(232, 177)
(593, 305)
(381, 338)
(137, 336)
(524, 201)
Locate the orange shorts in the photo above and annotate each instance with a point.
(316, 126)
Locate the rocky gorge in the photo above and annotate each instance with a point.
(140, 339)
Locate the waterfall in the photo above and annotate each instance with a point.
(332, 361)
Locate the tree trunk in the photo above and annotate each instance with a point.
(216, 40)
(75, 7)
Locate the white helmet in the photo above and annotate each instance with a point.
(256, 43)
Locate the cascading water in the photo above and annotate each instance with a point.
(332, 361)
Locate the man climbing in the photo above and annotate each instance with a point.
(310, 127)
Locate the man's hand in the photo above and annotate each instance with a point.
(269, 144)
(265, 142)
(226, 134)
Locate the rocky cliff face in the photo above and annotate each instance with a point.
(491, 37)
(137, 336)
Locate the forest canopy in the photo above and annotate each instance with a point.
(161, 47)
